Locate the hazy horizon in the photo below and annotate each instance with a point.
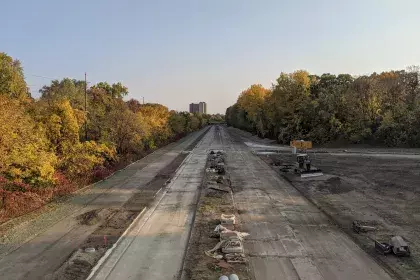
(179, 53)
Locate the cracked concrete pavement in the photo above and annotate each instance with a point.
(59, 233)
(289, 237)
(154, 248)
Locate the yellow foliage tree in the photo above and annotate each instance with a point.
(62, 124)
(24, 152)
(155, 121)
(251, 101)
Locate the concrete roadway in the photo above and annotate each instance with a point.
(40, 256)
(289, 237)
(154, 247)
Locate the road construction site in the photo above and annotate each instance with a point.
(376, 187)
(160, 217)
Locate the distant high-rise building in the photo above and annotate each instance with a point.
(194, 108)
(200, 107)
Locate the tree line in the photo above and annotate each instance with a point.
(50, 146)
(379, 109)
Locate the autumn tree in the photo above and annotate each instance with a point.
(155, 121)
(25, 154)
(43, 150)
(134, 105)
(251, 101)
(125, 129)
(384, 108)
(62, 125)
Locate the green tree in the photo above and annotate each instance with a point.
(66, 89)
(116, 90)
(12, 81)
(124, 129)
(177, 123)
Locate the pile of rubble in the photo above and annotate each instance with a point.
(230, 246)
(229, 250)
(217, 184)
(217, 162)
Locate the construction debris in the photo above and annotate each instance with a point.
(231, 277)
(227, 219)
(90, 250)
(397, 246)
(235, 258)
(220, 188)
(382, 247)
(232, 246)
(228, 234)
(225, 233)
(217, 164)
(224, 264)
(230, 243)
(359, 227)
(213, 252)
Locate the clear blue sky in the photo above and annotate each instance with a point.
(175, 52)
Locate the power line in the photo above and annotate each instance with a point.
(40, 76)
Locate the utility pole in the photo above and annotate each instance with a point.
(86, 116)
(143, 100)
